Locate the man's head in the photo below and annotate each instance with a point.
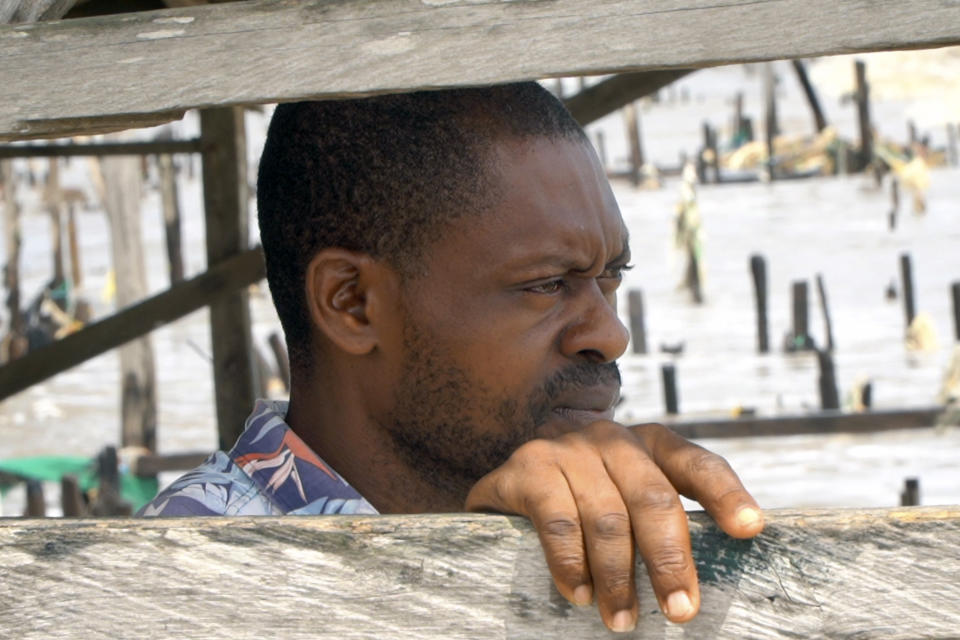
(454, 255)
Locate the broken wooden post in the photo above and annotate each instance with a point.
(53, 199)
(711, 157)
(772, 126)
(825, 308)
(906, 280)
(894, 203)
(109, 500)
(910, 496)
(281, 357)
(827, 381)
(122, 184)
(632, 121)
(670, 397)
(866, 395)
(819, 122)
(758, 269)
(170, 200)
(862, 97)
(36, 503)
(71, 498)
(955, 297)
(601, 149)
(638, 330)
(76, 272)
(225, 205)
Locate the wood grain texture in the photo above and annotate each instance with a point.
(879, 574)
(64, 77)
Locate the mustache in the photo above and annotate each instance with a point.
(581, 375)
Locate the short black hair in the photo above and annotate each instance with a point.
(383, 175)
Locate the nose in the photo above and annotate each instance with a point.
(595, 333)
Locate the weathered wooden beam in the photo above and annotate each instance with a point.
(225, 213)
(616, 92)
(881, 574)
(64, 77)
(233, 273)
(150, 464)
(822, 423)
(99, 149)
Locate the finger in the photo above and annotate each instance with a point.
(707, 478)
(608, 538)
(660, 529)
(541, 493)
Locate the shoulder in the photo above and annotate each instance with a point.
(216, 487)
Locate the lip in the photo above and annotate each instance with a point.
(582, 406)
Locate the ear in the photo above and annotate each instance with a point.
(344, 292)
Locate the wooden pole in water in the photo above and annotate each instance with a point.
(906, 277)
(71, 498)
(225, 203)
(862, 97)
(280, 355)
(894, 203)
(54, 202)
(829, 397)
(772, 126)
(819, 121)
(76, 272)
(828, 325)
(632, 121)
(758, 269)
(122, 180)
(910, 497)
(36, 504)
(638, 330)
(955, 295)
(801, 315)
(171, 217)
(670, 398)
(601, 149)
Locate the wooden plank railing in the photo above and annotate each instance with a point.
(878, 574)
(64, 77)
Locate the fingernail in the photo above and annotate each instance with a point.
(623, 621)
(583, 595)
(679, 605)
(748, 517)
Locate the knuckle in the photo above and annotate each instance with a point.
(616, 581)
(669, 561)
(537, 450)
(656, 498)
(611, 526)
(704, 462)
(560, 527)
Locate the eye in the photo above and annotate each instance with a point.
(615, 273)
(548, 288)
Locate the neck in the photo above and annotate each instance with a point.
(334, 418)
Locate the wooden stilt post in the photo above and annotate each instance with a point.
(819, 121)
(122, 180)
(281, 357)
(638, 330)
(76, 272)
(801, 330)
(829, 397)
(36, 504)
(670, 398)
(225, 203)
(14, 343)
(866, 395)
(632, 120)
(894, 203)
(955, 296)
(54, 204)
(910, 497)
(601, 149)
(825, 308)
(738, 137)
(758, 268)
(906, 278)
(772, 126)
(862, 96)
(171, 216)
(71, 498)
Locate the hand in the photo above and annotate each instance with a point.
(597, 494)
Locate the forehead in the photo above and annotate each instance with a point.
(553, 199)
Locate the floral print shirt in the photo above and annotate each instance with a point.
(269, 471)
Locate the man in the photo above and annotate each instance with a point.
(445, 266)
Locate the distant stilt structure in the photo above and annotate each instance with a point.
(122, 183)
(14, 343)
(631, 117)
(687, 233)
(170, 199)
(862, 97)
(819, 121)
(758, 269)
(772, 125)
